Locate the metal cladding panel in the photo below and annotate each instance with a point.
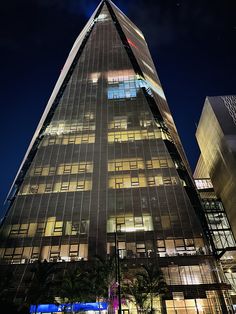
(138, 45)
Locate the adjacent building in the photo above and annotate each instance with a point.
(215, 177)
(216, 137)
(106, 165)
(219, 226)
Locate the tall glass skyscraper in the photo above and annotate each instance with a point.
(106, 162)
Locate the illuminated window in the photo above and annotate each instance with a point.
(159, 180)
(52, 170)
(64, 186)
(73, 128)
(167, 181)
(71, 140)
(83, 251)
(189, 243)
(151, 181)
(58, 228)
(161, 246)
(35, 253)
(54, 253)
(163, 163)
(40, 229)
(203, 184)
(130, 224)
(118, 166)
(80, 139)
(72, 168)
(120, 224)
(124, 136)
(52, 141)
(131, 137)
(133, 165)
(117, 125)
(89, 116)
(85, 139)
(73, 251)
(121, 90)
(134, 181)
(125, 164)
(82, 167)
(67, 169)
(75, 229)
(38, 171)
(149, 164)
(140, 248)
(145, 123)
(48, 188)
(45, 171)
(179, 244)
(57, 187)
(138, 222)
(151, 135)
(80, 186)
(95, 76)
(8, 253)
(19, 230)
(119, 182)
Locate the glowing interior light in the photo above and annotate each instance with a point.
(95, 76)
(132, 229)
(101, 17)
(120, 76)
(199, 307)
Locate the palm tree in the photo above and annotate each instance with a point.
(154, 282)
(102, 276)
(144, 284)
(88, 282)
(74, 288)
(135, 291)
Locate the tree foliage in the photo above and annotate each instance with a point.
(144, 284)
(41, 286)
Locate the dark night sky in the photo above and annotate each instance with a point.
(193, 44)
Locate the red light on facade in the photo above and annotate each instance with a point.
(131, 43)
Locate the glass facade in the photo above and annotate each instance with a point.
(218, 149)
(108, 161)
(219, 226)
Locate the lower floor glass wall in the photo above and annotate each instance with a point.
(178, 305)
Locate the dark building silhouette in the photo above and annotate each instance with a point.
(106, 163)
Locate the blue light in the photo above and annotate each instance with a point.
(121, 90)
(45, 308)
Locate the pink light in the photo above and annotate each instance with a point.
(132, 44)
(115, 303)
